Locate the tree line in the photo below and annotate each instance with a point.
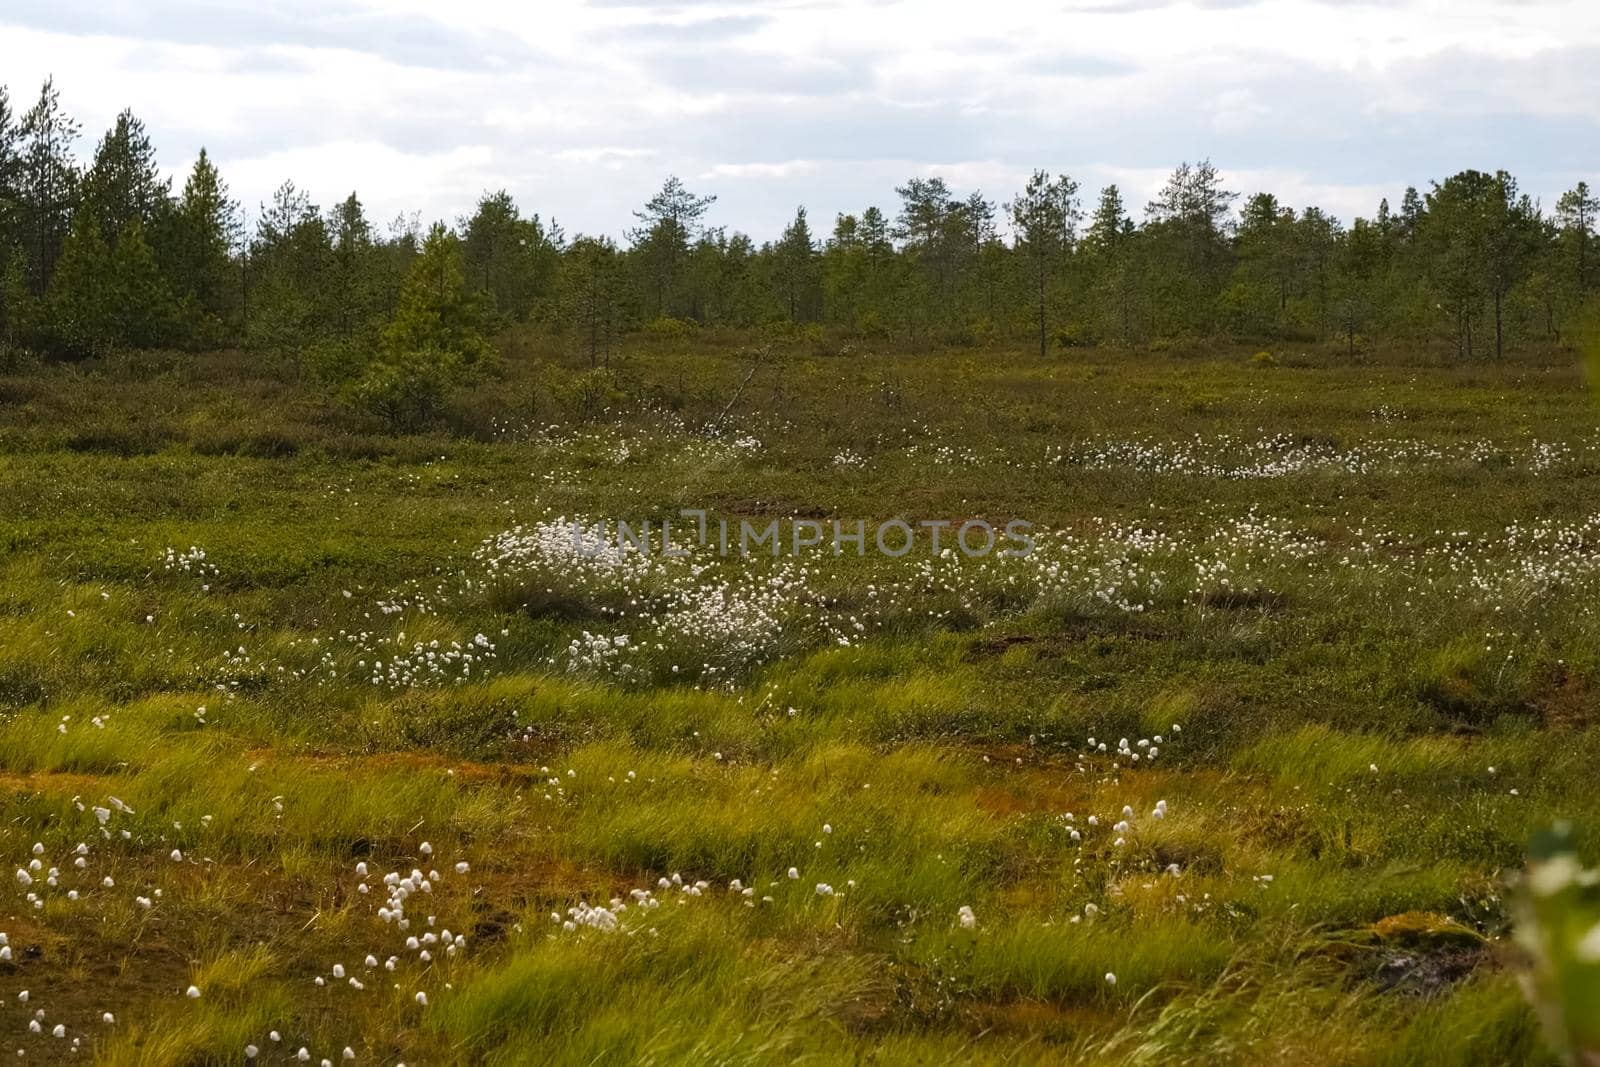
(107, 254)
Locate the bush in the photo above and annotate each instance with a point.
(1075, 335)
(335, 362)
(406, 389)
(15, 358)
(592, 392)
(667, 328)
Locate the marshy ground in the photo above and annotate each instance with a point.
(313, 738)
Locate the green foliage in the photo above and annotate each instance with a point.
(512, 261)
(591, 393)
(202, 235)
(1472, 266)
(668, 329)
(104, 297)
(1558, 911)
(590, 311)
(436, 311)
(432, 344)
(407, 387)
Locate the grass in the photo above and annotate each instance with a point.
(248, 642)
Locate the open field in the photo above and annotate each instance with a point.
(254, 654)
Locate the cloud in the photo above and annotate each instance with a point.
(403, 38)
(740, 171)
(696, 32)
(580, 109)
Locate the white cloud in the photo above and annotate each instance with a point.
(580, 109)
(739, 171)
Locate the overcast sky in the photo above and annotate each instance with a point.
(580, 110)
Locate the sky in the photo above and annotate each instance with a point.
(580, 110)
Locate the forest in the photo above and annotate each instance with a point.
(110, 254)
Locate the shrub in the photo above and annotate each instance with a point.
(667, 328)
(406, 389)
(335, 362)
(592, 392)
(1075, 335)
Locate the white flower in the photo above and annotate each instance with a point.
(422, 998)
(794, 873)
(193, 993)
(1554, 874)
(965, 917)
(1111, 979)
(1588, 947)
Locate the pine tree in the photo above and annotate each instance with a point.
(795, 256)
(1045, 216)
(290, 267)
(13, 269)
(669, 222)
(205, 229)
(352, 275)
(123, 184)
(590, 308)
(436, 312)
(1185, 234)
(80, 301)
(1576, 212)
(1108, 247)
(508, 258)
(18, 307)
(47, 184)
(142, 313)
(10, 175)
(930, 230)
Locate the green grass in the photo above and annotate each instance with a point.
(1339, 594)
